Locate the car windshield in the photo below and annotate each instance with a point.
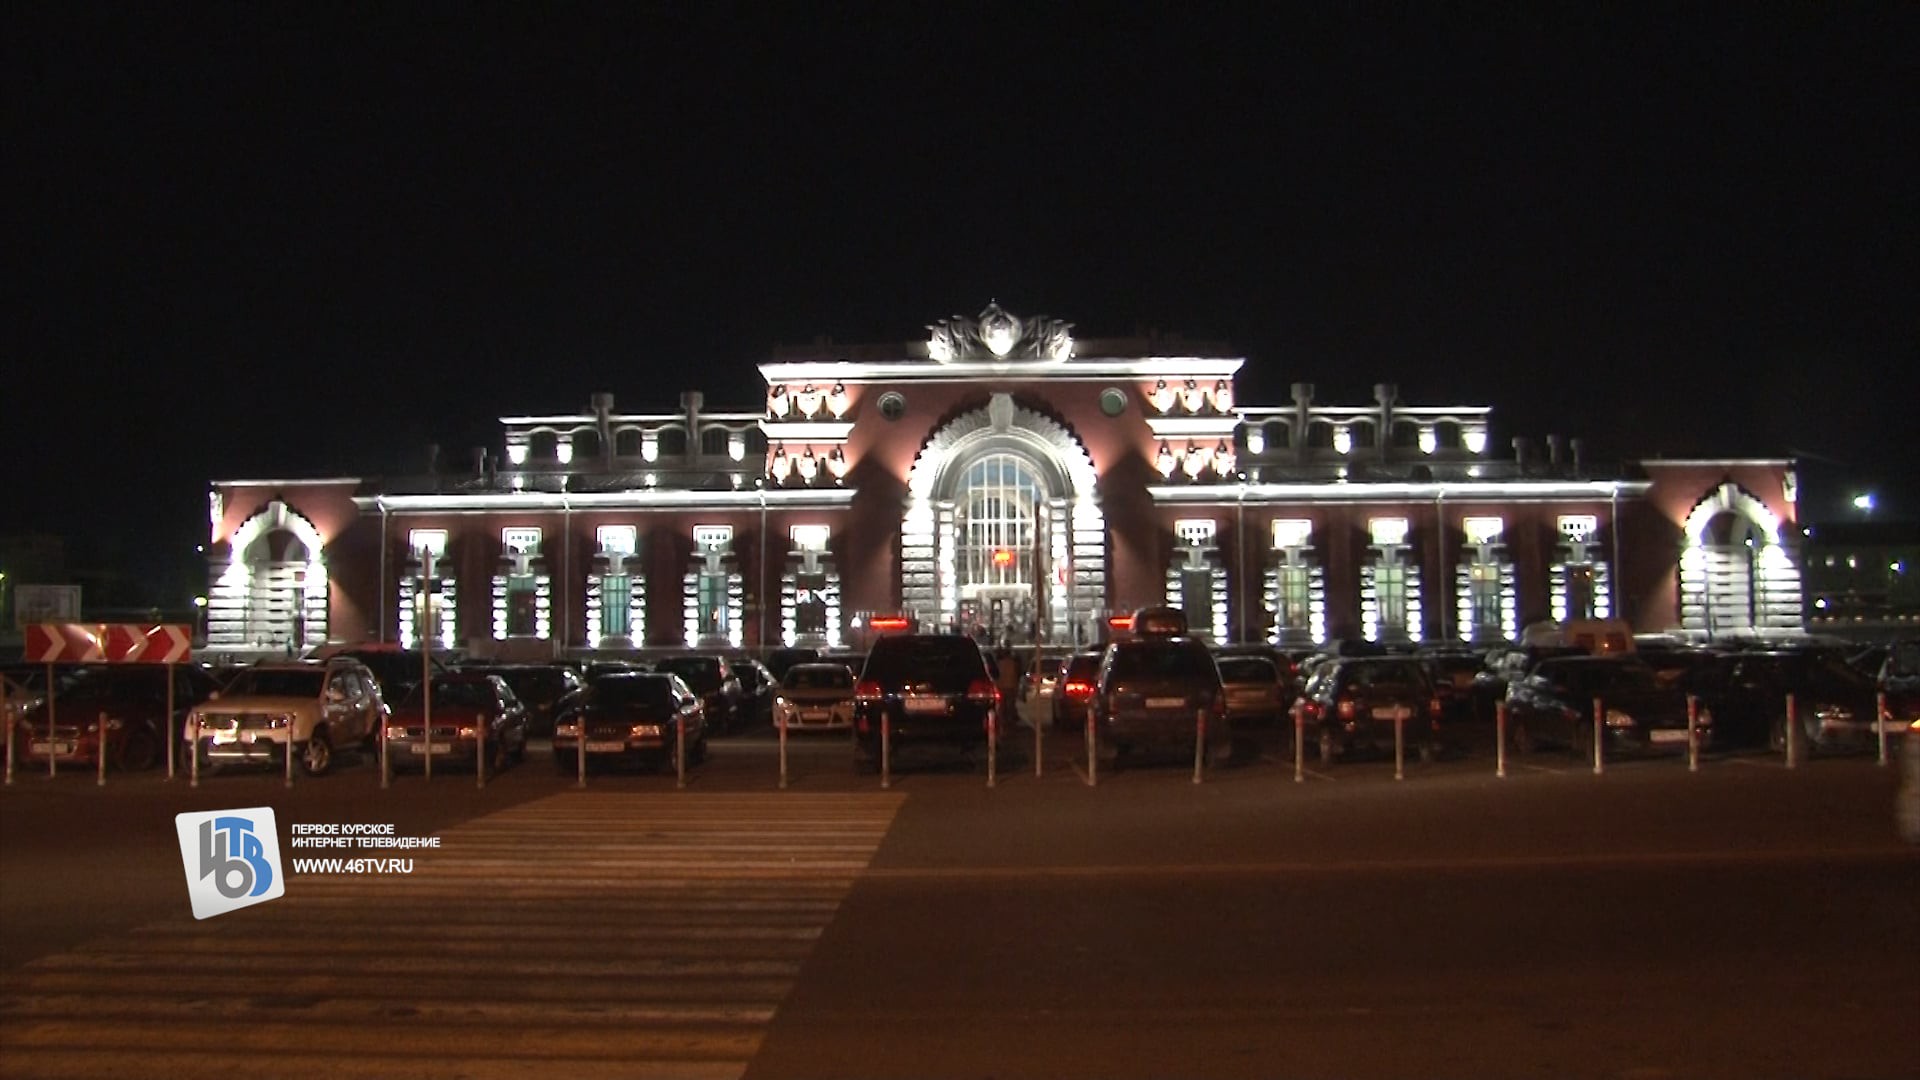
(1388, 673)
(461, 693)
(277, 682)
(700, 673)
(1831, 674)
(833, 677)
(1245, 669)
(949, 661)
(1606, 678)
(643, 690)
(1155, 661)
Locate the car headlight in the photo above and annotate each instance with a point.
(468, 731)
(644, 731)
(113, 724)
(397, 731)
(1618, 719)
(567, 731)
(1833, 712)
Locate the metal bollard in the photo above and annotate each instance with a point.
(1500, 739)
(1199, 741)
(53, 766)
(193, 764)
(1299, 743)
(1693, 733)
(386, 763)
(10, 725)
(1881, 720)
(1793, 734)
(780, 722)
(288, 756)
(886, 751)
(480, 751)
(680, 753)
(1039, 748)
(1399, 746)
(166, 724)
(993, 744)
(580, 751)
(1599, 737)
(1093, 752)
(100, 751)
(426, 728)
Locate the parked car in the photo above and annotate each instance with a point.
(758, 688)
(1899, 680)
(779, 660)
(1079, 674)
(714, 680)
(815, 697)
(633, 718)
(1352, 705)
(133, 700)
(1504, 666)
(1150, 696)
(928, 689)
(463, 703)
(1906, 802)
(1746, 695)
(315, 708)
(1257, 690)
(1554, 704)
(1452, 672)
(396, 670)
(540, 688)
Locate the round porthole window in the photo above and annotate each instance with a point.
(892, 405)
(1113, 402)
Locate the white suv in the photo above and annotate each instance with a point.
(319, 706)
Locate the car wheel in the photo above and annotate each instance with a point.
(316, 755)
(520, 748)
(1429, 753)
(1520, 737)
(697, 753)
(139, 750)
(1107, 753)
(566, 764)
(1581, 744)
(1777, 735)
(1220, 754)
(1329, 748)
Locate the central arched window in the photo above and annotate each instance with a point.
(997, 511)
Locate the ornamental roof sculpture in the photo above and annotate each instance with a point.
(999, 335)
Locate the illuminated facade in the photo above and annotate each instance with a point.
(1003, 477)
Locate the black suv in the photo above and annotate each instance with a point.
(1151, 694)
(929, 688)
(1554, 703)
(1745, 693)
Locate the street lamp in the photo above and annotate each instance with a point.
(1863, 502)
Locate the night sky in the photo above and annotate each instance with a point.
(279, 243)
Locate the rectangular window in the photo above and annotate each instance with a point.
(1483, 599)
(712, 597)
(1580, 591)
(614, 621)
(1390, 590)
(810, 604)
(522, 605)
(1295, 598)
(1196, 596)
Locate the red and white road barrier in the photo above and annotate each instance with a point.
(1793, 733)
(1399, 746)
(1199, 741)
(1693, 733)
(1299, 741)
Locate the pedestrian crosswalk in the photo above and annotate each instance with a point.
(582, 935)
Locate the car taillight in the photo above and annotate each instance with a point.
(982, 690)
(1433, 707)
(1346, 708)
(1077, 688)
(867, 690)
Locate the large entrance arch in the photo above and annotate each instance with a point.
(269, 588)
(1003, 530)
(1737, 576)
